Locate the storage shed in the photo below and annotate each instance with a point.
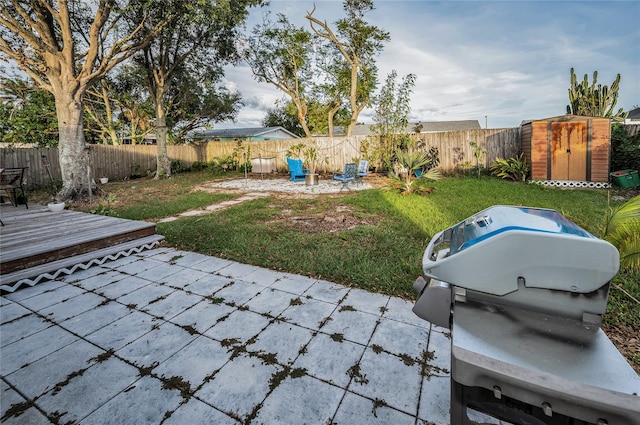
(568, 147)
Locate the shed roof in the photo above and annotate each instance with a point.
(566, 118)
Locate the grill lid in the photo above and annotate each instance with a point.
(503, 246)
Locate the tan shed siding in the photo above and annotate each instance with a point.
(600, 149)
(539, 150)
(525, 140)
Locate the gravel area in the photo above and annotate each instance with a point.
(268, 184)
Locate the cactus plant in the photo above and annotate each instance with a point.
(592, 100)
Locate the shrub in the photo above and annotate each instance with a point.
(404, 178)
(625, 149)
(199, 166)
(178, 167)
(515, 169)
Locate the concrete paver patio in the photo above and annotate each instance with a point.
(174, 337)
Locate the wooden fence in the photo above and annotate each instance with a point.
(124, 161)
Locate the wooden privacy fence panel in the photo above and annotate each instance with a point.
(123, 161)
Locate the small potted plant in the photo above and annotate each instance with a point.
(56, 204)
(310, 155)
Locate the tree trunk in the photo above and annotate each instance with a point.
(72, 145)
(163, 167)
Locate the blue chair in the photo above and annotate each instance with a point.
(363, 170)
(297, 173)
(347, 175)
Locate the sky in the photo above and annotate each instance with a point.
(498, 62)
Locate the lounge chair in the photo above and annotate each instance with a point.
(297, 173)
(347, 175)
(12, 185)
(363, 170)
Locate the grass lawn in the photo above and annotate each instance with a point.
(370, 239)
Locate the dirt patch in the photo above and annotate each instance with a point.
(339, 219)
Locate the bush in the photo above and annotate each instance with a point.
(178, 167)
(515, 169)
(199, 166)
(625, 149)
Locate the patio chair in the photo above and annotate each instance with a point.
(12, 184)
(297, 173)
(347, 175)
(363, 170)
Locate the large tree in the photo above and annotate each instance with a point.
(358, 42)
(280, 53)
(67, 46)
(594, 100)
(392, 108)
(198, 40)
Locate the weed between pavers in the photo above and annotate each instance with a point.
(377, 348)
(177, 383)
(377, 403)
(427, 370)
(278, 377)
(191, 329)
(104, 356)
(60, 385)
(17, 409)
(175, 258)
(407, 359)
(337, 337)
(356, 374)
(56, 416)
(267, 358)
(146, 370)
(346, 308)
(160, 298)
(217, 300)
(227, 342)
(295, 301)
(324, 322)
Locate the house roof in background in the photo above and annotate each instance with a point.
(239, 133)
(634, 114)
(427, 127)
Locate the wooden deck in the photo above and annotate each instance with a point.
(37, 244)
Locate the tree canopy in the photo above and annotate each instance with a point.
(279, 53)
(66, 47)
(327, 72)
(184, 60)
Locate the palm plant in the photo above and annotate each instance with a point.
(622, 229)
(515, 169)
(403, 177)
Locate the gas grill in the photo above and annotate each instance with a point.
(523, 291)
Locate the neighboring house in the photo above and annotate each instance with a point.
(424, 127)
(244, 134)
(633, 117)
(147, 139)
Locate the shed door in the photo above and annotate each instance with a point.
(569, 151)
